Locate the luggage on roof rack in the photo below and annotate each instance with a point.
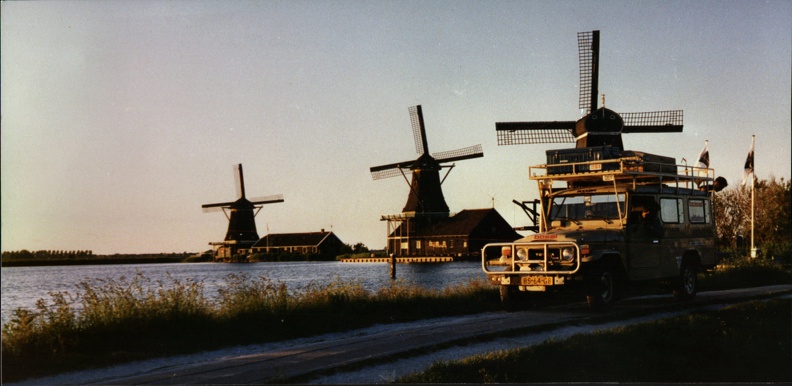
(584, 160)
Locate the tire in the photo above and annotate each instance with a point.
(686, 285)
(509, 297)
(602, 288)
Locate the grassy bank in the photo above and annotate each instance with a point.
(106, 322)
(745, 343)
(109, 322)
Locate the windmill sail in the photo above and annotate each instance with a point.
(588, 57)
(419, 131)
(653, 122)
(526, 133)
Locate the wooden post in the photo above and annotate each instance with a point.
(392, 265)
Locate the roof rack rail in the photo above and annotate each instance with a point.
(631, 169)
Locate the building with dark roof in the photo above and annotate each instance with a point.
(324, 243)
(462, 234)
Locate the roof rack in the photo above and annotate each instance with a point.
(634, 170)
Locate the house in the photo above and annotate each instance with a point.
(323, 243)
(462, 234)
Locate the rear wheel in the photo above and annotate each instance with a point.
(686, 285)
(602, 288)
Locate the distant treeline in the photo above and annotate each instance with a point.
(38, 258)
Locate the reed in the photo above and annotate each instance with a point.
(110, 321)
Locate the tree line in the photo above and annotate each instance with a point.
(772, 219)
(25, 254)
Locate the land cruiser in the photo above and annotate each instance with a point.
(602, 223)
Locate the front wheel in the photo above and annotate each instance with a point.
(602, 289)
(686, 286)
(509, 297)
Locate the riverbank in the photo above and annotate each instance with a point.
(118, 321)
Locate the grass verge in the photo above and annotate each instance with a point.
(745, 343)
(108, 322)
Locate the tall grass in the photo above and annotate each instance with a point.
(109, 321)
(741, 272)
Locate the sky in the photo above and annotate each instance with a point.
(120, 119)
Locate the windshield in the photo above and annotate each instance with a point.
(587, 207)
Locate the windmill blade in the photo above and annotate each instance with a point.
(419, 130)
(240, 181)
(519, 133)
(388, 173)
(275, 198)
(669, 121)
(213, 209)
(391, 170)
(459, 154)
(218, 205)
(588, 56)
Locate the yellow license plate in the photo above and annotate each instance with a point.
(536, 280)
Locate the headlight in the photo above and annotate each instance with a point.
(568, 255)
(522, 254)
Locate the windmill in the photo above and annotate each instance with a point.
(425, 203)
(599, 126)
(426, 196)
(241, 216)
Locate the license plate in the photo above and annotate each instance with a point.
(536, 280)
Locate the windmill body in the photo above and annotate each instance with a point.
(241, 214)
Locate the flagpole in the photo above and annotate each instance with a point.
(753, 195)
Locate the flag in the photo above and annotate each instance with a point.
(749, 162)
(703, 159)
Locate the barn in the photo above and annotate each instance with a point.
(462, 234)
(323, 243)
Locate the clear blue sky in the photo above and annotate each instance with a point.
(120, 118)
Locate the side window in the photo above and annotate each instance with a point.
(671, 210)
(699, 211)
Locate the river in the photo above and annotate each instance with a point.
(23, 286)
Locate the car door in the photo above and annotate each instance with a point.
(644, 237)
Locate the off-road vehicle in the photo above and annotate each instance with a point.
(611, 218)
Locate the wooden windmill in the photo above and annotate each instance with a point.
(599, 126)
(425, 201)
(426, 195)
(241, 215)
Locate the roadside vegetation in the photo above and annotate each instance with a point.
(106, 322)
(773, 219)
(749, 342)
